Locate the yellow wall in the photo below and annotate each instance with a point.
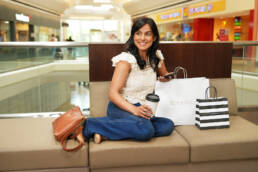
(218, 24)
(232, 6)
(22, 26)
(239, 5)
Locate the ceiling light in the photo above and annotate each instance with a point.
(94, 8)
(106, 7)
(102, 1)
(83, 7)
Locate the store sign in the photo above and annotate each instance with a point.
(185, 12)
(172, 15)
(203, 9)
(208, 7)
(169, 15)
(22, 17)
(190, 11)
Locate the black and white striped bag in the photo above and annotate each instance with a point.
(212, 113)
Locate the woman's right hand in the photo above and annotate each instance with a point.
(143, 111)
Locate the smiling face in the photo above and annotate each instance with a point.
(144, 38)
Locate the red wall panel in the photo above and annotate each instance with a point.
(203, 29)
(251, 25)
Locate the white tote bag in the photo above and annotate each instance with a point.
(178, 98)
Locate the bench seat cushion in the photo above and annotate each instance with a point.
(28, 143)
(160, 150)
(240, 141)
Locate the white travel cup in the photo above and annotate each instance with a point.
(152, 100)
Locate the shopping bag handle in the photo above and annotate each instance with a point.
(207, 89)
(178, 68)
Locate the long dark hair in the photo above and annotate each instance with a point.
(130, 46)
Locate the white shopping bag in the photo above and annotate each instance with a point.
(178, 99)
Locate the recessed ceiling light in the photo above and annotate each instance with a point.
(102, 1)
(94, 8)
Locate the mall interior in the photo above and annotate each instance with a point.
(56, 54)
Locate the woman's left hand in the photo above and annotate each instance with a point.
(165, 79)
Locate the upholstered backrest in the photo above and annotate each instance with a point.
(99, 98)
(99, 95)
(226, 88)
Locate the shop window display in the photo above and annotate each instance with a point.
(176, 31)
(4, 31)
(22, 31)
(237, 28)
(232, 28)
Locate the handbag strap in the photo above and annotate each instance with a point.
(208, 88)
(178, 68)
(79, 139)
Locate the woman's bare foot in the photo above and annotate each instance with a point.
(98, 138)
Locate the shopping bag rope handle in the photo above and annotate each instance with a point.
(207, 89)
(178, 68)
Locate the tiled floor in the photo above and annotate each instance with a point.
(247, 97)
(251, 116)
(245, 66)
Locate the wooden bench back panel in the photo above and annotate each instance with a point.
(212, 60)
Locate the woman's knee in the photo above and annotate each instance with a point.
(146, 133)
(169, 126)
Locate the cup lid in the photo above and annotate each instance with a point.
(152, 97)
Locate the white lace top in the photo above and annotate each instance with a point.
(139, 82)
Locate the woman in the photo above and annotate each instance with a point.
(134, 77)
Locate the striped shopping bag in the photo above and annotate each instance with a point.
(212, 113)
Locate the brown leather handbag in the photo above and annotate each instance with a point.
(69, 126)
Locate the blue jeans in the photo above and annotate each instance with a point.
(120, 124)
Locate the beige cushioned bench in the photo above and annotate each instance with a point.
(28, 144)
(126, 153)
(187, 149)
(240, 141)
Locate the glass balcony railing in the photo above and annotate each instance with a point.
(245, 72)
(59, 81)
(19, 55)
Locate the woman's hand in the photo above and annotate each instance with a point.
(166, 77)
(162, 72)
(143, 111)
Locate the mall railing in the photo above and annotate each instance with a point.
(43, 78)
(53, 76)
(19, 55)
(245, 73)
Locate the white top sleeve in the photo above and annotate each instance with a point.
(124, 57)
(161, 57)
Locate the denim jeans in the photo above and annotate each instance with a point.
(120, 124)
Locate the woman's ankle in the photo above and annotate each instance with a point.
(98, 138)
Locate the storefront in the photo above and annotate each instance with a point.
(42, 33)
(179, 31)
(232, 28)
(94, 30)
(172, 27)
(4, 31)
(20, 24)
(22, 27)
(210, 20)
